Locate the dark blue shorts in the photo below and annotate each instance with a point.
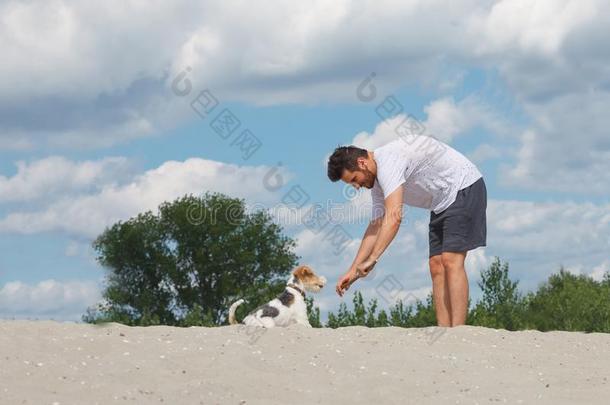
(463, 225)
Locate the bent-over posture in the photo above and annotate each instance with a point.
(422, 172)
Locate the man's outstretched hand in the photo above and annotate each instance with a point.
(361, 270)
(346, 281)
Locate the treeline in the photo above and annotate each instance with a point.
(563, 302)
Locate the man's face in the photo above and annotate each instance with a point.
(359, 178)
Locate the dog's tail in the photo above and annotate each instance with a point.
(232, 308)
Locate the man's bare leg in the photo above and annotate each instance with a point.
(440, 291)
(457, 281)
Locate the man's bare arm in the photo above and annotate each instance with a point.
(388, 230)
(366, 247)
(377, 238)
(368, 242)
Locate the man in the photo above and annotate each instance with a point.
(422, 172)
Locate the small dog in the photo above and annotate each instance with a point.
(289, 307)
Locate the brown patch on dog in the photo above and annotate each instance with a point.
(267, 310)
(286, 298)
(270, 311)
(304, 273)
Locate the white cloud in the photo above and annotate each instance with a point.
(599, 271)
(48, 299)
(445, 119)
(97, 87)
(52, 175)
(532, 27)
(484, 152)
(476, 261)
(317, 248)
(549, 229)
(87, 214)
(558, 73)
(567, 148)
(83, 58)
(383, 133)
(538, 238)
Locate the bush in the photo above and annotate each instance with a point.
(502, 306)
(419, 314)
(570, 302)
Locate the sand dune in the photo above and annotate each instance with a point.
(46, 362)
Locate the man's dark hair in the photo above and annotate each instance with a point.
(344, 158)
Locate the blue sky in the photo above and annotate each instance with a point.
(95, 134)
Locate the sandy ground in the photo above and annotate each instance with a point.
(46, 362)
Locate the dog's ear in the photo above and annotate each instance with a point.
(302, 272)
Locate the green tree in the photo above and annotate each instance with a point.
(345, 317)
(501, 306)
(187, 264)
(313, 313)
(401, 314)
(570, 302)
(423, 314)
(419, 314)
(383, 319)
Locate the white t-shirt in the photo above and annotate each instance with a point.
(432, 172)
